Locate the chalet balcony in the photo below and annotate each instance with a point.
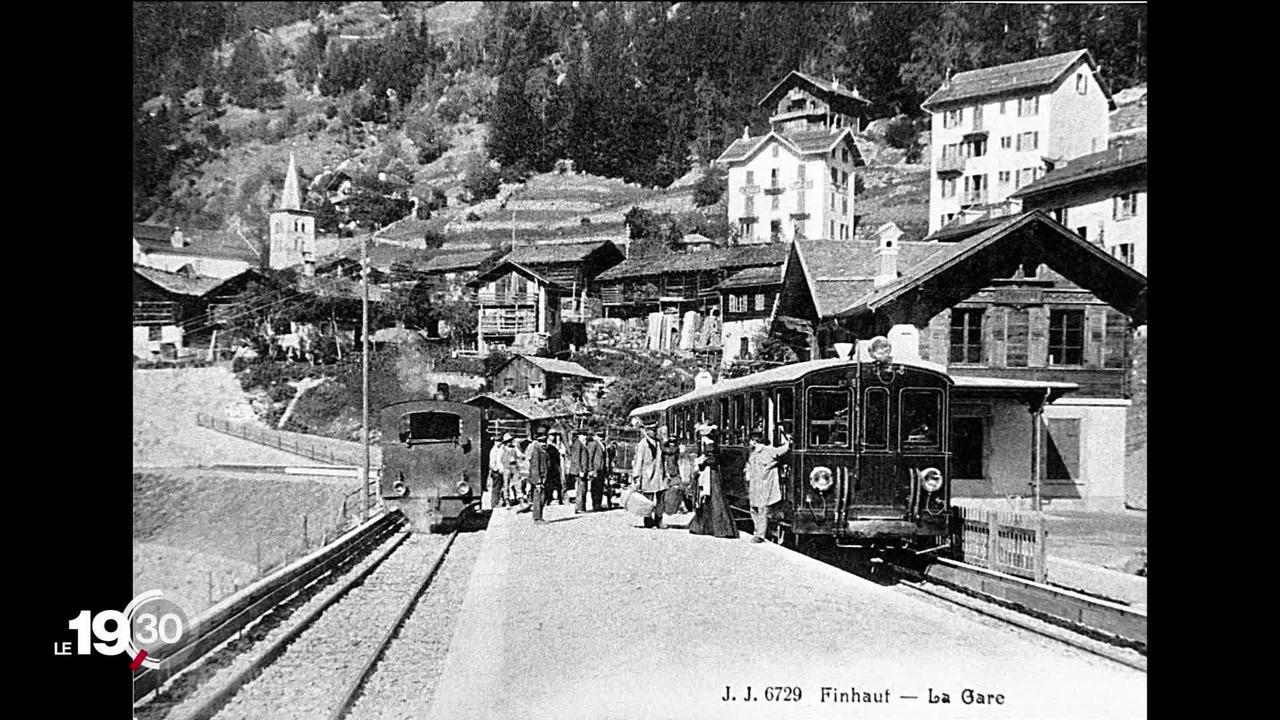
(489, 298)
(507, 324)
(974, 198)
(155, 313)
(950, 165)
(774, 190)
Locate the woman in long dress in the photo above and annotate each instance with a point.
(712, 516)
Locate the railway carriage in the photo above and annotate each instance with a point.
(432, 460)
(868, 465)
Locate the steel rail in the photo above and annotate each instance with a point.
(214, 703)
(975, 606)
(353, 690)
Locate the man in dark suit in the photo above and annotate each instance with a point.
(539, 473)
(596, 467)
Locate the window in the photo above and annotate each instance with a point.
(1028, 141)
(1125, 205)
(155, 333)
(973, 148)
(759, 301)
(1006, 142)
(1083, 232)
(744, 347)
(844, 231)
(798, 228)
(844, 206)
(952, 118)
(1124, 251)
(785, 410)
(828, 418)
(1060, 215)
(951, 152)
(737, 430)
(844, 155)
(746, 228)
(1026, 176)
(968, 440)
(947, 217)
(920, 415)
(751, 177)
(1082, 83)
(875, 420)
(835, 176)
(775, 230)
(966, 335)
(844, 179)
(975, 189)
(755, 407)
(1029, 106)
(1066, 337)
(832, 235)
(750, 205)
(775, 150)
(776, 203)
(949, 187)
(428, 426)
(1002, 104)
(1004, 176)
(1062, 449)
(773, 177)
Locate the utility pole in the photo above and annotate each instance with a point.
(364, 335)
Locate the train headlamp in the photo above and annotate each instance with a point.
(881, 350)
(399, 488)
(931, 479)
(464, 487)
(820, 479)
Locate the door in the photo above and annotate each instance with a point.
(879, 490)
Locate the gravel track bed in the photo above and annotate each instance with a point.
(404, 681)
(198, 684)
(307, 681)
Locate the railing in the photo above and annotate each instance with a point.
(147, 312)
(974, 198)
(1009, 541)
(329, 450)
(950, 164)
(507, 326)
(507, 298)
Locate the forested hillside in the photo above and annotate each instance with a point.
(432, 91)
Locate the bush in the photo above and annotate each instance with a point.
(901, 133)
(481, 181)
(710, 188)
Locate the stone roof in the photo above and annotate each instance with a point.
(840, 272)
(1090, 167)
(726, 258)
(229, 244)
(179, 283)
(551, 254)
(805, 142)
(1035, 74)
(526, 407)
(558, 367)
(453, 262)
(753, 277)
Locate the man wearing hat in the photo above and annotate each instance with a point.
(502, 459)
(647, 475)
(539, 473)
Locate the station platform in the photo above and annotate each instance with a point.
(592, 616)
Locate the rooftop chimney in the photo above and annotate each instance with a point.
(887, 251)
(176, 239)
(746, 131)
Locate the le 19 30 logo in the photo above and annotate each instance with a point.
(148, 623)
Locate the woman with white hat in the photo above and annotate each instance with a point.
(712, 515)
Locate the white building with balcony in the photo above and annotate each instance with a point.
(996, 130)
(797, 180)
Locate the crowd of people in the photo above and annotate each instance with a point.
(531, 474)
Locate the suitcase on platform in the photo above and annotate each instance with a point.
(636, 503)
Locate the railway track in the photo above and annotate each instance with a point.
(324, 661)
(911, 581)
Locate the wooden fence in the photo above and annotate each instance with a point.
(1009, 541)
(329, 450)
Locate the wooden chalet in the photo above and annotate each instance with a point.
(547, 378)
(522, 416)
(512, 300)
(680, 281)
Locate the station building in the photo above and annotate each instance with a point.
(1008, 305)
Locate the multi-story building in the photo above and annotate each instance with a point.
(1102, 197)
(796, 181)
(997, 129)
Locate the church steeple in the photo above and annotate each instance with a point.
(292, 198)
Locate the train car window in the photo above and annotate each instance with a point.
(785, 410)
(726, 429)
(755, 412)
(737, 420)
(430, 426)
(920, 418)
(875, 419)
(828, 418)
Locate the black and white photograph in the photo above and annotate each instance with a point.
(636, 360)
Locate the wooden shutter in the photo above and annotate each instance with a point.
(993, 341)
(1115, 340)
(939, 346)
(1017, 336)
(1038, 336)
(1095, 327)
